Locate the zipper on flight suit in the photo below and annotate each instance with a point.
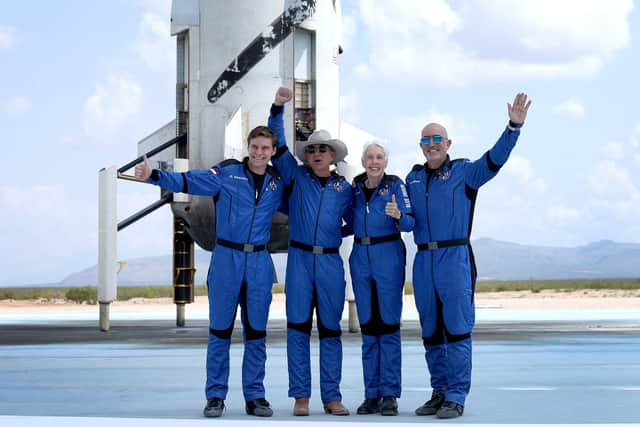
(253, 216)
(429, 175)
(315, 231)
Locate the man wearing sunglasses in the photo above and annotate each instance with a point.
(317, 203)
(443, 194)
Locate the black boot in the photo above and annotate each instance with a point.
(450, 410)
(431, 406)
(369, 406)
(214, 408)
(259, 407)
(389, 406)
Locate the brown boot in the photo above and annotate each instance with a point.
(335, 407)
(301, 407)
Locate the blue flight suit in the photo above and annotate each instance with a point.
(241, 270)
(315, 272)
(377, 264)
(444, 271)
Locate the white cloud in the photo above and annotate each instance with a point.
(611, 180)
(350, 106)
(572, 107)
(7, 37)
(622, 212)
(42, 201)
(114, 102)
(159, 7)
(362, 71)
(520, 168)
(635, 146)
(614, 150)
(563, 214)
(349, 30)
(635, 137)
(435, 43)
(18, 105)
(154, 45)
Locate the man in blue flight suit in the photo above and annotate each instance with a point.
(317, 204)
(381, 209)
(246, 196)
(443, 194)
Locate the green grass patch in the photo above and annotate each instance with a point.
(89, 294)
(557, 285)
(536, 286)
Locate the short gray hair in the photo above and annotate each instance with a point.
(378, 144)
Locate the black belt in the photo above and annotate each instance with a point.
(366, 240)
(442, 244)
(244, 247)
(315, 249)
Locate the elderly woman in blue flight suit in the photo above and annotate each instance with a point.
(246, 195)
(317, 204)
(443, 194)
(381, 210)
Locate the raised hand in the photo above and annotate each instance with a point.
(143, 171)
(518, 111)
(283, 95)
(391, 208)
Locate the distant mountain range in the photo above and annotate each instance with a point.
(496, 260)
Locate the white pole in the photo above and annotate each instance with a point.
(107, 243)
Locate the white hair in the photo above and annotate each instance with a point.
(378, 144)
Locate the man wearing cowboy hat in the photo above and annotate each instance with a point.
(317, 203)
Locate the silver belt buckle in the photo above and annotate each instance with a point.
(247, 247)
(318, 250)
(365, 240)
(432, 245)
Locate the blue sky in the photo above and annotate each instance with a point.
(82, 82)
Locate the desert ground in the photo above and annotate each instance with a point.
(583, 299)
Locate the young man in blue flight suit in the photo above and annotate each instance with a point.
(443, 194)
(246, 196)
(317, 204)
(381, 210)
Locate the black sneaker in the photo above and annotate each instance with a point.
(369, 406)
(259, 407)
(431, 406)
(450, 410)
(214, 408)
(389, 406)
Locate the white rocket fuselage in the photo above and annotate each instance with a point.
(212, 35)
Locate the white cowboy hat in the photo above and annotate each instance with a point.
(321, 137)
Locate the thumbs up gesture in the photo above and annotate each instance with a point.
(391, 208)
(143, 171)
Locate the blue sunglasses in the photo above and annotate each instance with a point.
(436, 139)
